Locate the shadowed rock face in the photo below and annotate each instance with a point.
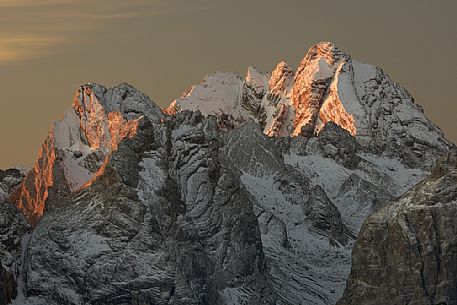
(250, 150)
(338, 144)
(13, 227)
(407, 251)
(166, 223)
(10, 179)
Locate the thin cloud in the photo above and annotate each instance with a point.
(22, 48)
(31, 3)
(33, 28)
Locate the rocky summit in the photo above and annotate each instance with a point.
(248, 189)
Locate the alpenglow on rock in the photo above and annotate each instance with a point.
(328, 86)
(246, 190)
(80, 144)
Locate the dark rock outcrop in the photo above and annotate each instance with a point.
(338, 144)
(13, 228)
(406, 252)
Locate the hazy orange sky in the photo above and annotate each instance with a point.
(162, 47)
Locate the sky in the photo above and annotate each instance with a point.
(162, 47)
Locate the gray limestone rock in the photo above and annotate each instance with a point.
(168, 222)
(13, 229)
(9, 181)
(250, 150)
(338, 144)
(407, 251)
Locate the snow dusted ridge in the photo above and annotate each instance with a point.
(246, 190)
(327, 86)
(79, 145)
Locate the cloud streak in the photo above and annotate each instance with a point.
(31, 3)
(33, 28)
(22, 48)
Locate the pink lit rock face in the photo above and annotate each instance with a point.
(281, 79)
(103, 130)
(327, 86)
(75, 153)
(286, 103)
(33, 192)
(315, 95)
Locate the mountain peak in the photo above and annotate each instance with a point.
(327, 86)
(257, 80)
(327, 50)
(313, 89)
(246, 190)
(80, 145)
(281, 78)
(123, 98)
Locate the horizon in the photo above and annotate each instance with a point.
(56, 44)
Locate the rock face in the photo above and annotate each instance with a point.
(170, 231)
(246, 190)
(13, 228)
(406, 252)
(79, 146)
(316, 73)
(328, 86)
(9, 181)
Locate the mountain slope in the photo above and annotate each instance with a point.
(166, 222)
(406, 252)
(246, 190)
(327, 86)
(310, 201)
(358, 140)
